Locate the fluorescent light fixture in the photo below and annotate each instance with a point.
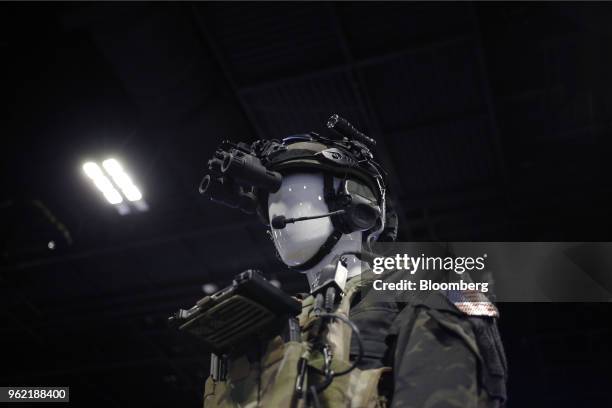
(116, 185)
(122, 179)
(94, 172)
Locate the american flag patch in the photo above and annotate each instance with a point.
(472, 303)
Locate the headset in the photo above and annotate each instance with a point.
(242, 175)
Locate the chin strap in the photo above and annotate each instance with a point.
(323, 251)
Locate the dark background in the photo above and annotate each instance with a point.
(492, 119)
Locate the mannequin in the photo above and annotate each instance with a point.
(301, 194)
(398, 354)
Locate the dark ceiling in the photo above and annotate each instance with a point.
(493, 121)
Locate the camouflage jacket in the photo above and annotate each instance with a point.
(441, 354)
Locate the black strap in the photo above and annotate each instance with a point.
(325, 249)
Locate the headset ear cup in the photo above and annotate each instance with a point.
(363, 216)
(361, 213)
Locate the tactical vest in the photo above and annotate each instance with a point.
(271, 380)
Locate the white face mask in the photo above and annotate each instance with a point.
(300, 195)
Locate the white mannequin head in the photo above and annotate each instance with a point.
(302, 194)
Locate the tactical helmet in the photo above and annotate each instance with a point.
(242, 175)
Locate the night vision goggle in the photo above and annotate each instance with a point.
(235, 175)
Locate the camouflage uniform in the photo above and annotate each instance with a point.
(439, 355)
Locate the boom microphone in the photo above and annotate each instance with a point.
(279, 221)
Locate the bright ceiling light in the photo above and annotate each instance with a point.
(94, 172)
(122, 179)
(116, 186)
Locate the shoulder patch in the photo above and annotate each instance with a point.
(472, 303)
